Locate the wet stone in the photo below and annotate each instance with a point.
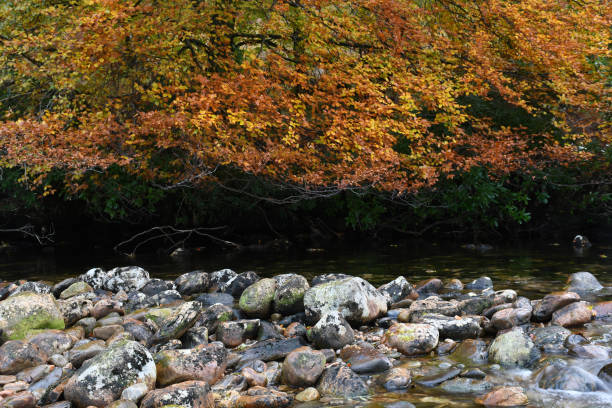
(338, 380)
(455, 328)
(466, 386)
(551, 303)
(363, 358)
(568, 378)
(398, 378)
(550, 339)
(508, 318)
(513, 349)
(472, 352)
(257, 397)
(504, 397)
(303, 367)
(574, 314)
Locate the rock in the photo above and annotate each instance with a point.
(192, 282)
(581, 241)
(260, 397)
(103, 380)
(574, 314)
(396, 290)
(28, 311)
(239, 283)
(550, 339)
(75, 309)
(58, 288)
(475, 305)
(17, 355)
(329, 277)
(303, 367)
(77, 288)
(106, 332)
(204, 363)
(504, 397)
(289, 294)
(428, 287)
(363, 358)
(513, 349)
(338, 380)
(43, 390)
(194, 337)
(268, 330)
(95, 277)
(471, 352)
(412, 339)
(106, 306)
(81, 352)
(256, 300)
(122, 404)
(234, 333)
(332, 331)
(508, 318)
(355, 299)
(603, 310)
(453, 285)
(481, 283)
(397, 378)
(156, 286)
(446, 346)
(474, 373)
(589, 351)
(582, 282)
(254, 379)
(23, 399)
(178, 323)
(135, 392)
(272, 349)
(209, 299)
(433, 305)
(212, 316)
(189, 394)
(456, 328)
(551, 303)
(220, 278)
(606, 372)
(438, 378)
(126, 278)
(34, 287)
(141, 332)
(52, 341)
(309, 394)
(466, 386)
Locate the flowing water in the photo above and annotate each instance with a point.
(531, 271)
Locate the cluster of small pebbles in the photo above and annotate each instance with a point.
(119, 338)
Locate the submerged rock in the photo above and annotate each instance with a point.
(398, 378)
(504, 397)
(28, 311)
(513, 349)
(583, 282)
(568, 378)
(354, 298)
(102, 381)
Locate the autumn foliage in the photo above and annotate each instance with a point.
(386, 94)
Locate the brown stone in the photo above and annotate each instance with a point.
(17, 355)
(260, 397)
(254, 379)
(21, 400)
(551, 303)
(303, 367)
(106, 306)
(188, 394)
(105, 332)
(574, 314)
(504, 397)
(603, 310)
(203, 363)
(508, 318)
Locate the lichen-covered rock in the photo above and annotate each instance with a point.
(219, 279)
(339, 381)
(574, 314)
(455, 328)
(354, 298)
(289, 293)
(239, 283)
(551, 303)
(34, 287)
(583, 282)
(396, 290)
(204, 363)
(435, 305)
(27, 311)
(17, 355)
(103, 380)
(188, 394)
(303, 367)
(214, 315)
(196, 336)
(550, 339)
(52, 341)
(95, 277)
(412, 339)
(77, 288)
(181, 320)
(75, 309)
(513, 349)
(126, 278)
(332, 331)
(192, 282)
(256, 300)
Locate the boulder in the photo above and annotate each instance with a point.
(513, 349)
(75, 309)
(95, 277)
(256, 300)
(412, 339)
(355, 299)
(396, 290)
(192, 282)
(583, 282)
(332, 331)
(181, 320)
(17, 355)
(551, 303)
(102, 381)
(504, 397)
(126, 278)
(289, 294)
(303, 367)
(204, 363)
(219, 279)
(28, 311)
(574, 314)
(188, 394)
(339, 381)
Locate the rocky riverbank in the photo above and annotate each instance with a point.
(119, 338)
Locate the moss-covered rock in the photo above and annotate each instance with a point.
(289, 294)
(26, 311)
(256, 300)
(513, 349)
(412, 339)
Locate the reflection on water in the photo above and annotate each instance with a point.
(530, 271)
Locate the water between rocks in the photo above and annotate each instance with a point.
(533, 272)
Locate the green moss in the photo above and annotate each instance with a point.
(30, 323)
